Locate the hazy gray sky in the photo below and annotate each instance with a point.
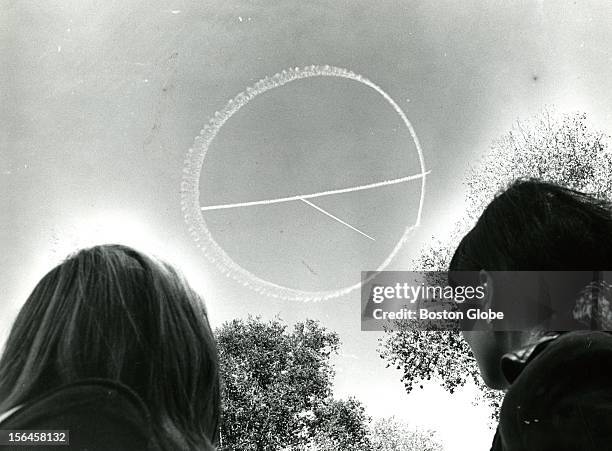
(101, 100)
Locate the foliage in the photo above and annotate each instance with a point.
(277, 389)
(556, 148)
(340, 425)
(391, 434)
(559, 148)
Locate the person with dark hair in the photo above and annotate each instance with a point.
(558, 378)
(115, 347)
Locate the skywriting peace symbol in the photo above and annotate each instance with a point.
(194, 213)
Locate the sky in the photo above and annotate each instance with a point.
(102, 100)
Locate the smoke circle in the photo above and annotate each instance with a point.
(194, 160)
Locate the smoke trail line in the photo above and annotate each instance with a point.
(314, 195)
(336, 218)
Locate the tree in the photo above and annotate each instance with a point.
(277, 389)
(340, 425)
(391, 434)
(559, 148)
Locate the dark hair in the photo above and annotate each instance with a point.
(112, 312)
(535, 225)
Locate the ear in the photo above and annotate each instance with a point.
(486, 280)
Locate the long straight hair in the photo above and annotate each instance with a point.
(113, 312)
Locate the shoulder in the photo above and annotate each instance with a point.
(587, 354)
(563, 398)
(100, 415)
